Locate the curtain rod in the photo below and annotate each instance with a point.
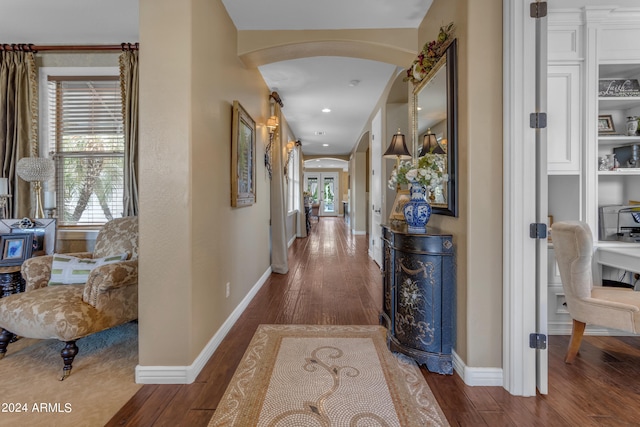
(41, 48)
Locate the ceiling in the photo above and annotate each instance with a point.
(350, 87)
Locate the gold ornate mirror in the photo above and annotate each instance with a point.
(434, 116)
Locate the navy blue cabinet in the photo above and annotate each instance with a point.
(419, 296)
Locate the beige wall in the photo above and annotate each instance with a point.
(478, 229)
(190, 73)
(191, 241)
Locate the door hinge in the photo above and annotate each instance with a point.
(538, 230)
(538, 120)
(538, 9)
(538, 341)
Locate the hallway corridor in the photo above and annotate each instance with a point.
(332, 280)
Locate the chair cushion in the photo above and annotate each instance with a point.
(52, 312)
(68, 270)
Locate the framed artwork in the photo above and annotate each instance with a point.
(42, 230)
(397, 211)
(243, 158)
(16, 247)
(605, 125)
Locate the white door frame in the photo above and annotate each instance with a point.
(375, 188)
(519, 204)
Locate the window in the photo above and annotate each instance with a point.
(86, 141)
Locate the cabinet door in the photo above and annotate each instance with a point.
(418, 311)
(563, 119)
(387, 283)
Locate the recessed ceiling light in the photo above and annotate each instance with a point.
(354, 83)
(326, 110)
(419, 108)
(319, 132)
(325, 145)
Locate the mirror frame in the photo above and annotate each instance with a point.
(450, 58)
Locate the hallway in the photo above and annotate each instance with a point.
(332, 280)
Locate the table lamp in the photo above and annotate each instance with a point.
(36, 170)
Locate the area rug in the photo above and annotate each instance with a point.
(101, 382)
(325, 375)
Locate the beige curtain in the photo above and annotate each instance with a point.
(129, 85)
(18, 123)
(279, 262)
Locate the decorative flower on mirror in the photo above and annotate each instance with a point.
(430, 55)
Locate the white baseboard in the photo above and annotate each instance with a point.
(293, 239)
(188, 374)
(358, 233)
(477, 376)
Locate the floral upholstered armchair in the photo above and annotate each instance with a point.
(57, 304)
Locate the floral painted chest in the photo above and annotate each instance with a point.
(419, 296)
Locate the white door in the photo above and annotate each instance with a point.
(542, 210)
(375, 188)
(524, 297)
(325, 191)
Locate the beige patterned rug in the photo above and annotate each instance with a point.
(326, 375)
(101, 382)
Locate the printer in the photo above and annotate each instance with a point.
(620, 223)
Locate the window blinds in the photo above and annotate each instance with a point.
(87, 143)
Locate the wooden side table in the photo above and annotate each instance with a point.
(10, 281)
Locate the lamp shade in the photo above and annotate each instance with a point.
(272, 123)
(430, 144)
(35, 168)
(398, 147)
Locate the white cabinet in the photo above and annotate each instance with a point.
(587, 44)
(564, 109)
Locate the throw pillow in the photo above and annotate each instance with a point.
(70, 270)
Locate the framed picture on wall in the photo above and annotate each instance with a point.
(243, 158)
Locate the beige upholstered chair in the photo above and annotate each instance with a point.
(617, 308)
(70, 312)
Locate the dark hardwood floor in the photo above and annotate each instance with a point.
(331, 280)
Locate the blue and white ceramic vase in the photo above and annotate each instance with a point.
(417, 211)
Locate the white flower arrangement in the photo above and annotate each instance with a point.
(429, 171)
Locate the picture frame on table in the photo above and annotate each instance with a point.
(243, 157)
(42, 230)
(16, 247)
(605, 125)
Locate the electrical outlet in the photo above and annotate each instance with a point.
(228, 290)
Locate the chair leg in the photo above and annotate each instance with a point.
(68, 353)
(5, 338)
(576, 339)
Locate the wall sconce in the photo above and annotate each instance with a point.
(272, 126)
(430, 144)
(36, 170)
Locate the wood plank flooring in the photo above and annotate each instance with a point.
(332, 280)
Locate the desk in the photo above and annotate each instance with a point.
(627, 259)
(623, 258)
